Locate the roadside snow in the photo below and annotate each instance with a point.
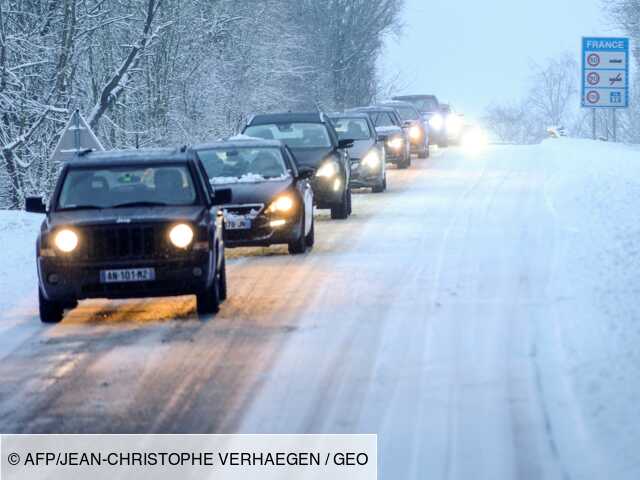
(593, 191)
(18, 278)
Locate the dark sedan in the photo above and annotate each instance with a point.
(429, 107)
(314, 143)
(368, 165)
(272, 196)
(416, 127)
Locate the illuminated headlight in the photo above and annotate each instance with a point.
(436, 122)
(66, 241)
(281, 204)
(371, 160)
(181, 235)
(415, 132)
(328, 169)
(396, 143)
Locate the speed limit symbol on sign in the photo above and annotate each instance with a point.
(593, 78)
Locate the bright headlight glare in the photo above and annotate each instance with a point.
(281, 204)
(396, 143)
(436, 122)
(181, 235)
(66, 241)
(454, 123)
(371, 159)
(328, 169)
(415, 132)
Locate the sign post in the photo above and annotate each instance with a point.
(605, 75)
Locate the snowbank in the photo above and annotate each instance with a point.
(18, 278)
(593, 191)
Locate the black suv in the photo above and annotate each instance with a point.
(314, 143)
(130, 224)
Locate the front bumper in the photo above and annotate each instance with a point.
(262, 234)
(393, 155)
(363, 177)
(191, 274)
(328, 192)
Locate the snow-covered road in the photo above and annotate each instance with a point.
(481, 317)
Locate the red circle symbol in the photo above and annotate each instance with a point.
(593, 78)
(593, 59)
(593, 97)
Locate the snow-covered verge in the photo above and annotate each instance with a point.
(593, 192)
(18, 278)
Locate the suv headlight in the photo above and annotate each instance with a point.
(415, 132)
(436, 122)
(181, 235)
(282, 204)
(328, 169)
(395, 143)
(372, 159)
(66, 240)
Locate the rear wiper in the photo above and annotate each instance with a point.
(140, 204)
(79, 207)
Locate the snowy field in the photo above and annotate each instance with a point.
(582, 306)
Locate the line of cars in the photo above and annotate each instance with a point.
(146, 223)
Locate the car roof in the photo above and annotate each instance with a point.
(413, 97)
(289, 117)
(396, 103)
(240, 141)
(372, 108)
(127, 157)
(348, 114)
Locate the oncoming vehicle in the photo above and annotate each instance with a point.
(415, 126)
(315, 144)
(368, 163)
(130, 225)
(454, 123)
(389, 129)
(272, 196)
(429, 107)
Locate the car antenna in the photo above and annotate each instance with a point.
(84, 152)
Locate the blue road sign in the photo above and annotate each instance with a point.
(605, 72)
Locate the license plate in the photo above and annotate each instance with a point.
(237, 223)
(128, 275)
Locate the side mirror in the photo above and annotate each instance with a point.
(222, 196)
(345, 143)
(407, 124)
(35, 205)
(306, 172)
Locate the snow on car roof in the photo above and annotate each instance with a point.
(168, 155)
(289, 117)
(240, 141)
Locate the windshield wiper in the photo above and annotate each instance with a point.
(80, 207)
(140, 204)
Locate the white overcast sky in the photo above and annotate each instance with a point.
(473, 52)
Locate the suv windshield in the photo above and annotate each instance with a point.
(244, 164)
(296, 135)
(352, 128)
(113, 187)
(407, 113)
(424, 105)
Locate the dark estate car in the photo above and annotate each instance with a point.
(429, 107)
(272, 196)
(416, 127)
(389, 129)
(368, 163)
(130, 224)
(314, 142)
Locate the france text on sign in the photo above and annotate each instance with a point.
(605, 72)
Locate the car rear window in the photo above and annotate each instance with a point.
(296, 135)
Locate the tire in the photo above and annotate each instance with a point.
(311, 236)
(208, 302)
(222, 289)
(381, 187)
(299, 245)
(424, 153)
(350, 200)
(50, 312)
(341, 211)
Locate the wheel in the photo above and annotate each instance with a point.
(223, 280)
(381, 187)
(208, 302)
(350, 201)
(424, 153)
(311, 236)
(299, 245)
(50, 312)
(341, 211)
